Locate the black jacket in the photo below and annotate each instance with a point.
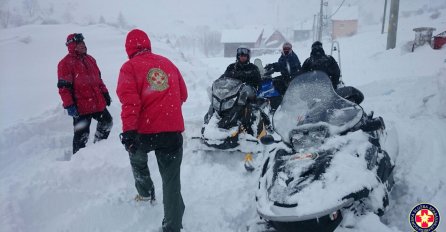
(248, 73)
(325, 63)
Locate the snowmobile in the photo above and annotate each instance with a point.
(234, 122)
(324, 160)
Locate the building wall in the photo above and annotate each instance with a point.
(344, 28)
(301, 35)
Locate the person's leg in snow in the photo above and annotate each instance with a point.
(105, 123)
(141, 173)
(81, 126)
(169, 157)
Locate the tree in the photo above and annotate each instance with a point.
(31, 7)
(102, 20)
(5, 17)
(122, 22)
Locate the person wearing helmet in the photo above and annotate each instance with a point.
(244, 70)
(249, 74)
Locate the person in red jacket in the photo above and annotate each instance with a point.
(83, 92)
(152, 91)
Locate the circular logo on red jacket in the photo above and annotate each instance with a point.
(424, 218)
(158, 79)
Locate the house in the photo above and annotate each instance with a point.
(274, 39)
(345, 22)
(304, 32)
(232, 39)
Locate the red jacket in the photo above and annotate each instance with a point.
(150, 88)
(80, 83)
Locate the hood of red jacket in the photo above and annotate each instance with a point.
(137, 40)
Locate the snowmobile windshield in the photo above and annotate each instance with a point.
(311, 104)
(224, 93)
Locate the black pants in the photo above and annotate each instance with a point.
(168, 147)
(82, 128)
(275, 103)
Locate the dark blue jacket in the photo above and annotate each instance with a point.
(288, 65)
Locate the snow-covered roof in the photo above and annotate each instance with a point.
(267, 32)
(346, 13)
(240, 36)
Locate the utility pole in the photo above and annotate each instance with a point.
(314, 27)
(384, 16)
(319, 34)
(393, 24)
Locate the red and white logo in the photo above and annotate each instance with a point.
(158, 79)
(424, 218)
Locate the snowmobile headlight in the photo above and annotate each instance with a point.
(228, 103)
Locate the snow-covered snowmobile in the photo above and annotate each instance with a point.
(234, 121)
(325, 159)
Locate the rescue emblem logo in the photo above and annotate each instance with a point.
(158, 79)
(424, 218)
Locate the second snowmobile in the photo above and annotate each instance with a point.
(234, 121)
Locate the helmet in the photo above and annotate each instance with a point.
(242, 50)
(317, 49)
(316, 45)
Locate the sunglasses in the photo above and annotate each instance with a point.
(78, 37)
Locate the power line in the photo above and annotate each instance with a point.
(337, 9)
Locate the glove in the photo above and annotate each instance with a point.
(107, 98)
(128, 139)
(269, 72)
(72, 111)
(269, 67)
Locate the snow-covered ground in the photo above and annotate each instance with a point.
(39, 191)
